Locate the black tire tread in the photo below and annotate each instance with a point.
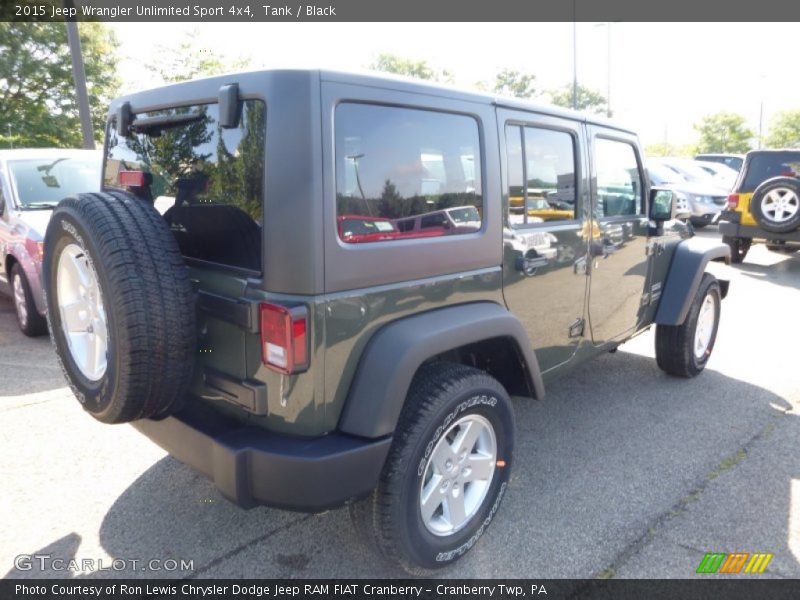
(374, 516)
(674, 352)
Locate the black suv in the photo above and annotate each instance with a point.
(323, 289)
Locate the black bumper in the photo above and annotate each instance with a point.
(251, 466)
(737, 230)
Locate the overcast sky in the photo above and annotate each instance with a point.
(664, 76)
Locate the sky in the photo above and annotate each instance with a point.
(663, 77)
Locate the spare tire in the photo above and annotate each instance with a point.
(776, 204)
(120, 306)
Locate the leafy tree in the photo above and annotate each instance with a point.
(785, 130)
(667, 149)
(37, 92)
(587, 99)
(419, 69)
(190, 60)
(515, 83)
(723, 132)
(509, 82)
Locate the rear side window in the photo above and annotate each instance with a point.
(207, 181)
(765, 166)
(619, 183)
(541, 175)
(403, 173)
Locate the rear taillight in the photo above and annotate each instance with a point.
(131, 178)
(733, 201)
(284, 338)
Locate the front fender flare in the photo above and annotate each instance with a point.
(683, 279)
(396, 351)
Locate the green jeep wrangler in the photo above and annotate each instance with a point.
(213, 295)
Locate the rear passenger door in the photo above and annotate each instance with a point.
(545, 237)
(618, 249)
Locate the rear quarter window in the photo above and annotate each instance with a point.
(396, 164)
(206, 180)
(765, 166)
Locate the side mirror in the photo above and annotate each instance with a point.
(662, 205)
(124, 119)
(230, 107)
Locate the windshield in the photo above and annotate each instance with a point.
(661, 175)
(690, 172)
(42, 183)
(464, 215)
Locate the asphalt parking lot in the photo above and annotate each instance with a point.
(621, 471)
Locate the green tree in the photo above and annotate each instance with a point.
(38, 105)
(723, 132)
(587, 99)
(190, 60)
(419, 69)
(785, 130)
(509, 82)
(667, 149)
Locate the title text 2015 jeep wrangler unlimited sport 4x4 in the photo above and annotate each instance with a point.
(211, 295)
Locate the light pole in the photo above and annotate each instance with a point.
(79, 75)
(574, 58)
(607, 25)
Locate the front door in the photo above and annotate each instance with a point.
(545, 238)
(618, 249)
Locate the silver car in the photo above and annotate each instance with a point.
(32, 182)
(694, 189)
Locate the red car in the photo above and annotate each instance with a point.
(358, 229)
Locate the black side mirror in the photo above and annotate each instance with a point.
(230, 107)
(124, 119)
(662, 205)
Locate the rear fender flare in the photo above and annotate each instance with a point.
(396, 351)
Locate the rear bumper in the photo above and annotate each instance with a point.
(251, 466)
(737, 230)
(704, 219)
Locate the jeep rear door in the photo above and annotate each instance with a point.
(618, 249)
(545, 237)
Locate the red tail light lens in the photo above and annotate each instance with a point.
(284, 339)
(131, 178)
(733, 201)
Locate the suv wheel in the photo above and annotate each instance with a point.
(776, 204)
(447, 470)
(683, 350)
(738, 246)
(31, 323)
(120, 306)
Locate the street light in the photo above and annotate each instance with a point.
(355, 158)
(607, 25)
(79, 75)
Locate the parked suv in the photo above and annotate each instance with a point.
(764, 204)
(31, 184)
(244, 331)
